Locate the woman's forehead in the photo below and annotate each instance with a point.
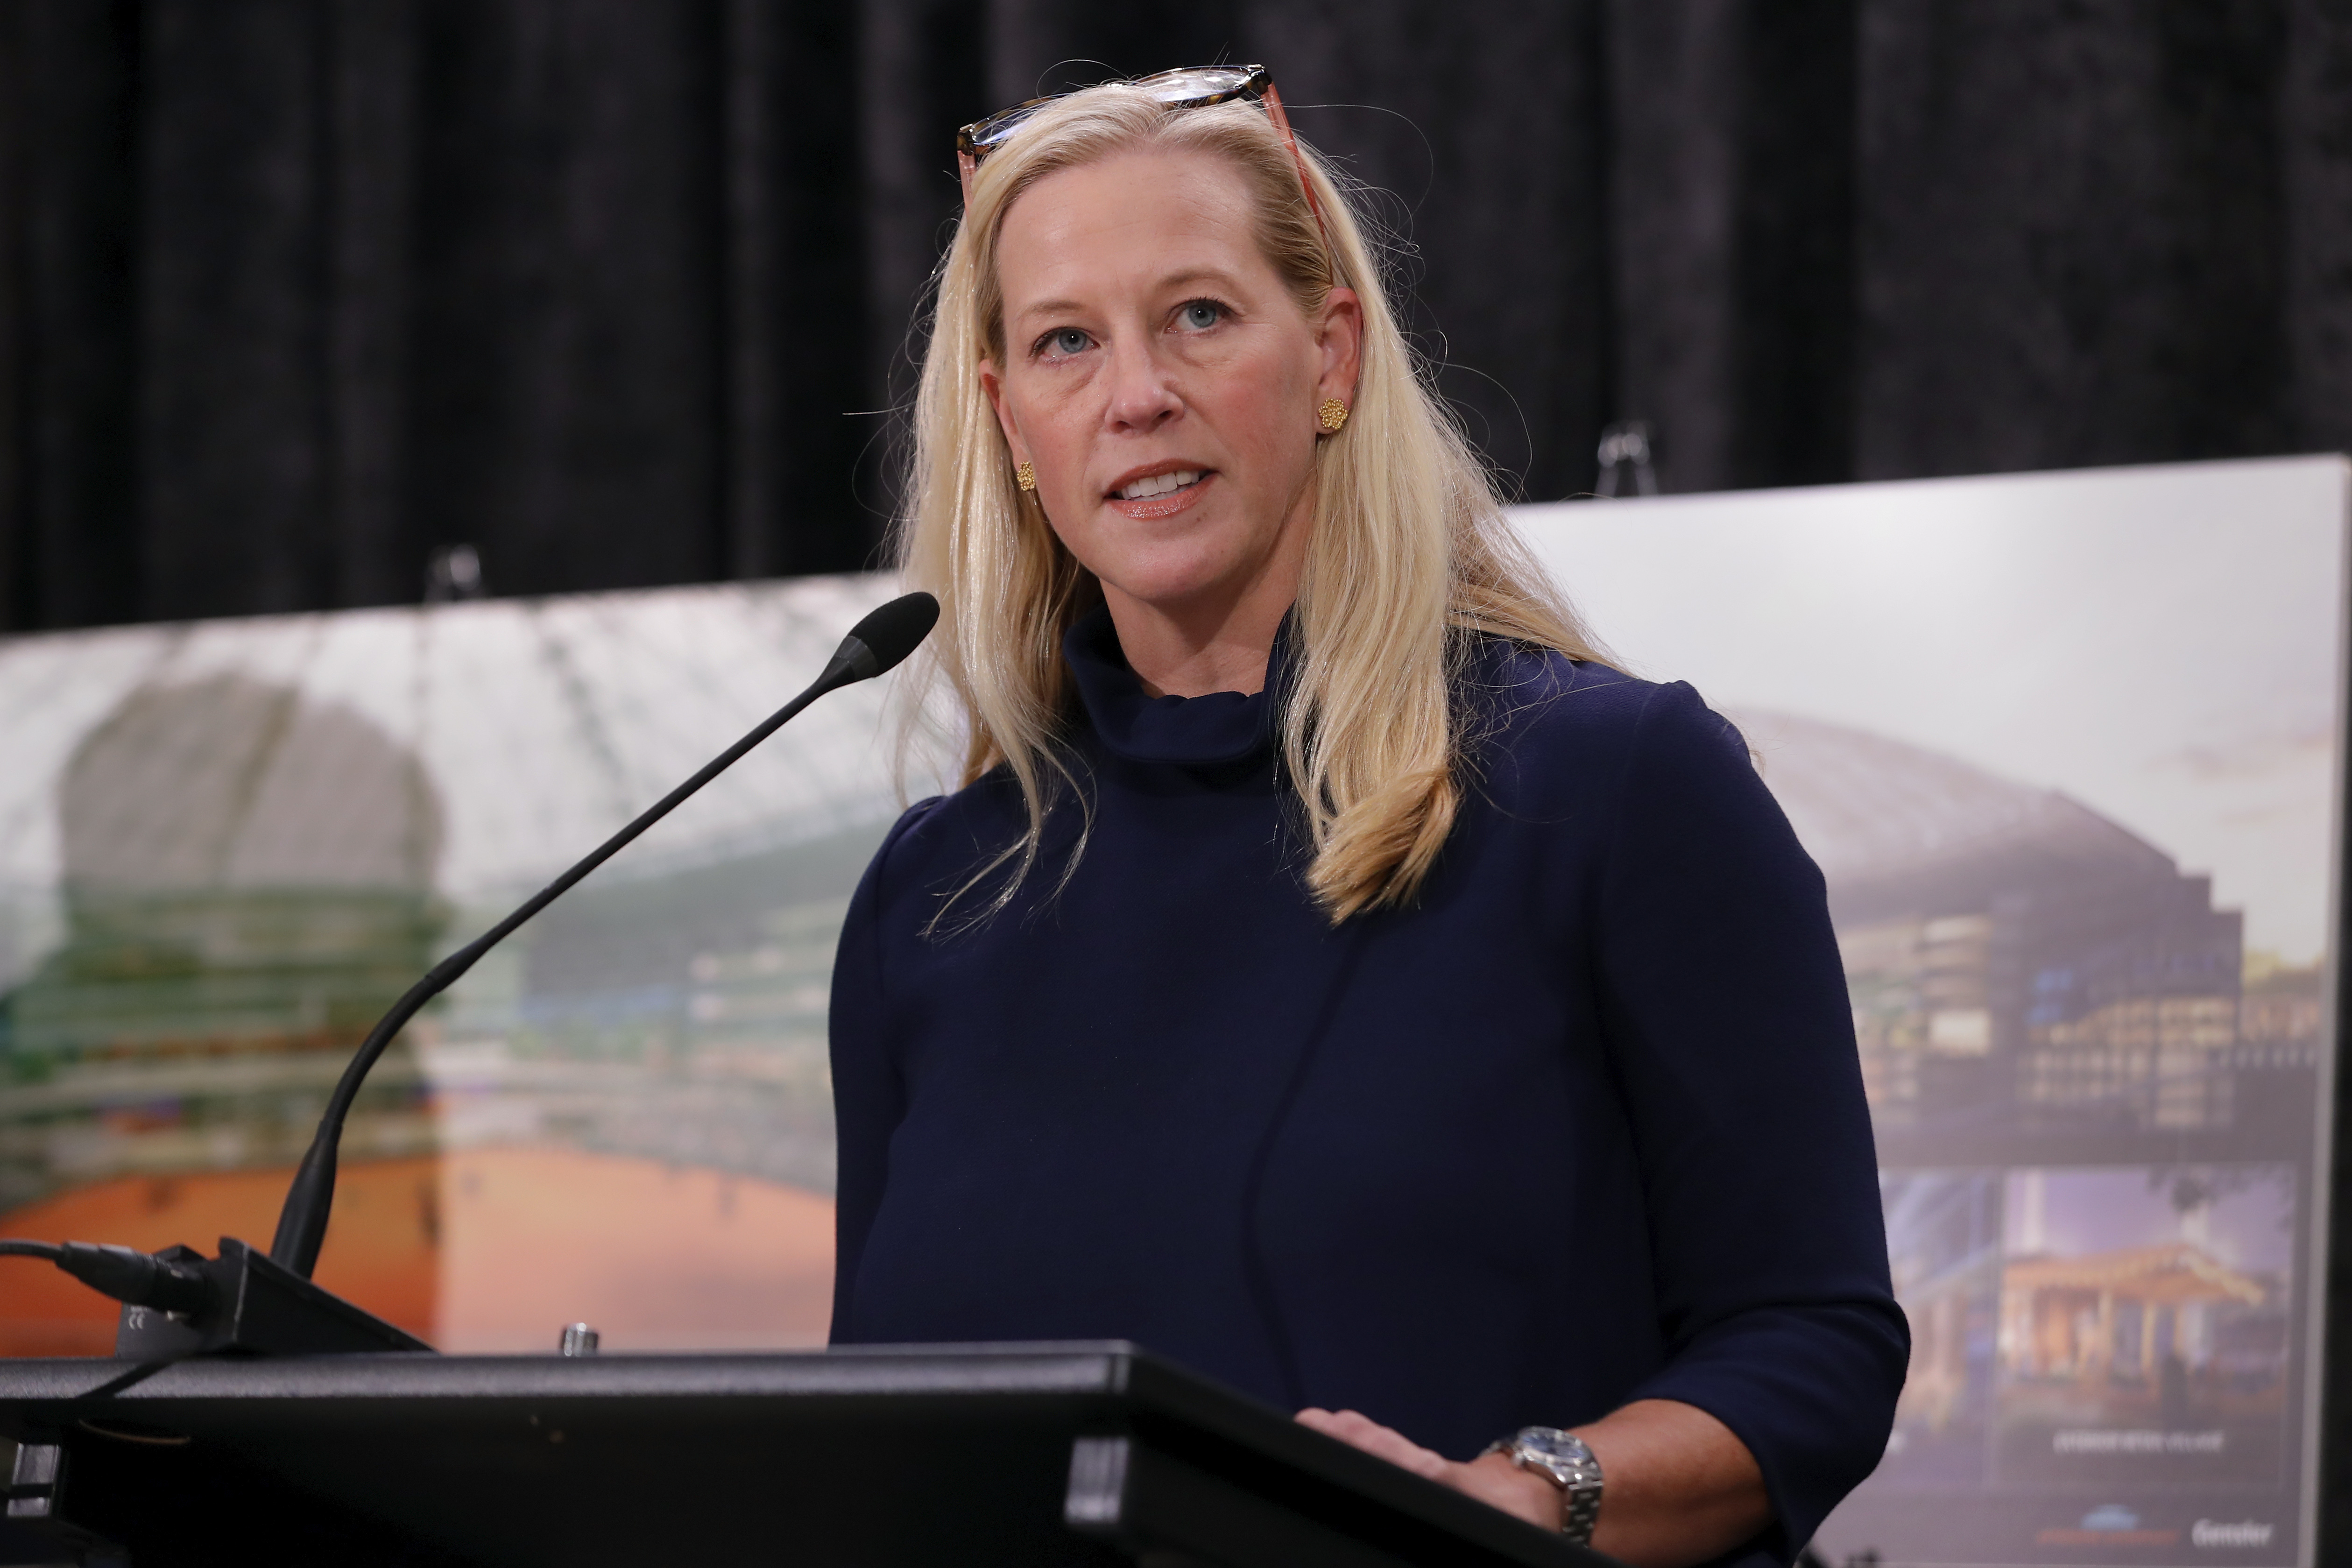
(1134, 219)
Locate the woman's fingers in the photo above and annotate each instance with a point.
(1493, 1481)
(1362, 1432)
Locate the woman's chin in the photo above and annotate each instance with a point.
(1178, 593)
(1208, 561)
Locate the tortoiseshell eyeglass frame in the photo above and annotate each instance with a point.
(1189, 87)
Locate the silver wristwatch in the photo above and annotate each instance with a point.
(1561, 1459)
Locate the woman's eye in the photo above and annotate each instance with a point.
(1067, 341)
(1202, 314)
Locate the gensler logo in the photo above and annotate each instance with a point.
(2211, 1532)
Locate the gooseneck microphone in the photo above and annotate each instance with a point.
(179, 1301)
(875, 644)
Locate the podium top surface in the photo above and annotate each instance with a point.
(877, 1454)
(1109, 1369)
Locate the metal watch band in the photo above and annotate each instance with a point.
(1563, 1459)
(1583, 1512)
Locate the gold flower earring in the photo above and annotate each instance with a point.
(1025, 476)
(1333, 413)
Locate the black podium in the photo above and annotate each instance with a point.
(1077, 1454)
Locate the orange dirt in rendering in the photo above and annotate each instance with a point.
(492, 1249)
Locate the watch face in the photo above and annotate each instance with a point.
(1562, 1453)
(1554, 1444)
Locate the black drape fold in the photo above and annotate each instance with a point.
(293, 292)
(70, 211)
(2071, 231)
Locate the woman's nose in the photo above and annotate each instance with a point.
(1142, 398)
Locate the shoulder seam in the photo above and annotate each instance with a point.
(1625, 780)
(907, 820)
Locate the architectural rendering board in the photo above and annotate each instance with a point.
(226, 847)
(2067, 748)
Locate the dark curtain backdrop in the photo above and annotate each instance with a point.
(294, 291)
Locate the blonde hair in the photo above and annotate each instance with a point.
(1410, 557)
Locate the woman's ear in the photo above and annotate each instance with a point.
(1340, 336)
(994, 385)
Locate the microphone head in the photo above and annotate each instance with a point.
(887, 635)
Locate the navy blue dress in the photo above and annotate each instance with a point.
(1583, 1125)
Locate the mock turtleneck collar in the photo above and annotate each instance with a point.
(1222, 726)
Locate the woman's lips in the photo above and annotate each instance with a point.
(1167, 504)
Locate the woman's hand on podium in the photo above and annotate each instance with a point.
(1492, 1479)
(1678, 1487)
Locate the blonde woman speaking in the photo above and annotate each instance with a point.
(1330, 974)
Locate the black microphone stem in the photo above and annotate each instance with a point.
(302, 1222)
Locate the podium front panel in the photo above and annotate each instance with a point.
(1046, 1455)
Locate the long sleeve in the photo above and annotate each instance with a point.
(868, 1098)
(1732, 1040)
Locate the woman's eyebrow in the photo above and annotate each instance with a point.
(1191, 275)
(1174, 280)
(1049, 308)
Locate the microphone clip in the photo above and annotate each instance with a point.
(259, 1307)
